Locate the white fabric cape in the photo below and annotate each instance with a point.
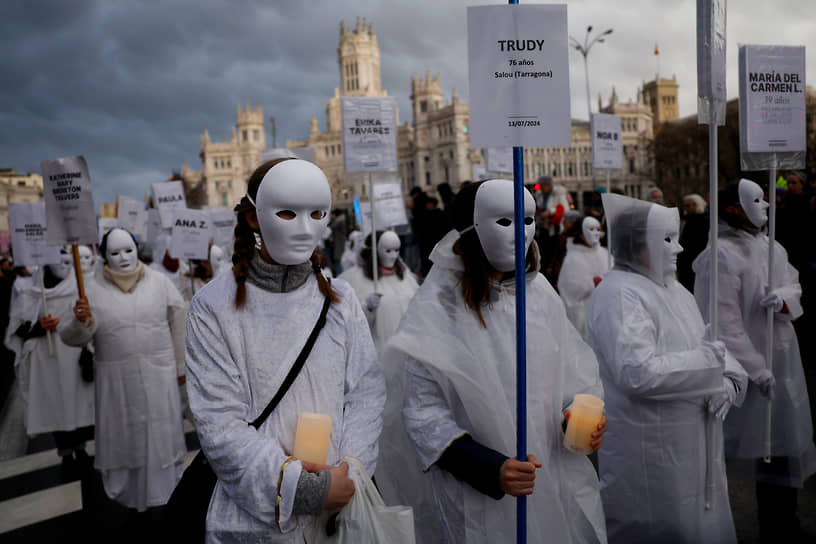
(474, 373)
(236, 362)
(743, 279)
(57, 399)
(139, 436)
(575, 284)
(657, 377)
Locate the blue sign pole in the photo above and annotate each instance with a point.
(521, 335)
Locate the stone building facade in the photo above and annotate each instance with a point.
(434, 146)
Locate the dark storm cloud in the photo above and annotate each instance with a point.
(132, 85)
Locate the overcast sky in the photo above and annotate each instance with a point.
(132, 84)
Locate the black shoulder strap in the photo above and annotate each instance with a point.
(295, 370)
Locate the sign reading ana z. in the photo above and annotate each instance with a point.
(190, 238)
(519, 75)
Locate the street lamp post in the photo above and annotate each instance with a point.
(584, 50)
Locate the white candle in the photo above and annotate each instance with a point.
(312, 437)
(585, 415)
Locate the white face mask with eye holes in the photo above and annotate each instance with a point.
(752, 201)
(591, 230)
(493, 221)
(662, 237)
(86, 260)
(388, 246)
(63, 269)
(120, 252)
(292, 204)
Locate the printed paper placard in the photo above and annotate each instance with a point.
(223, 227)
(154, 227)
(168, 197)
(390, 206)
(499, 159)
(190, 238)
(105, 225)
(132, 216)
(69, 205)
(772, 98)
(607, 146)
(519, 75)
(369, 134)
(28, 235)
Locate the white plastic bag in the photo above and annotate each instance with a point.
(365, 519)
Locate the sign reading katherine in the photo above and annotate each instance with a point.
(69, 206)
(519, 75)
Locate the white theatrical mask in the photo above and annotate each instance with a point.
(64, 267)
(86, 260)
(218, 260)
(752, 201)
(662, 235)
(591, 229)
(292, 204)
(388, 246)
(493, 221)
(120, 252)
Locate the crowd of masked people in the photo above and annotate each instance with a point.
(414, 362)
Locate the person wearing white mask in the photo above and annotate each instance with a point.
(177, 270)
(135, 317)
(219, 263)
(244, 332)
(584, 266)
(664, 383)
(395, 287)
(456, 346)
(742, 302)
(57, 399)
(351, 253)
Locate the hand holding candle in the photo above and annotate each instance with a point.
(586, 424)
(312, 437)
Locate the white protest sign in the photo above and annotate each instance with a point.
(369, 134)
(106, 224)
(69, 203)
(365, 217)
(772, 98)
(132, 216)
(223, 227)
(154, 227)
(190, 238)
(390, 205)
(519, 75)
(607, 146)
(28, 233)
(168, 196)
(479, 172)
(499, 159)
(711, 43)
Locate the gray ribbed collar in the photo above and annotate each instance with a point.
(277, 278)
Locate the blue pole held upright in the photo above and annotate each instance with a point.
(521, 334)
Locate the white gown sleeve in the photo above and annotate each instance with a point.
(75, 333)
(627, 336)
(426, 414)
(176, 318)
(247, 463)
(364, 391)
(790, 291)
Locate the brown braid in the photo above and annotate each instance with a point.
(244, 246)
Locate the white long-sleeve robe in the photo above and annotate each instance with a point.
(236, 362)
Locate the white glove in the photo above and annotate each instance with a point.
(772, 300)
(372, 302)
(717, 347)
(766, 383)
(720, 404)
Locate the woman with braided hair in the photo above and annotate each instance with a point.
(244, 332)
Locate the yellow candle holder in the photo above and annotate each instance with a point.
(585, 415)
(312, 437)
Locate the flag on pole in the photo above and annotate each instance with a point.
(657, 51)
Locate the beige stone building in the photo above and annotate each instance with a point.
(434, 146)
(16, 187)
